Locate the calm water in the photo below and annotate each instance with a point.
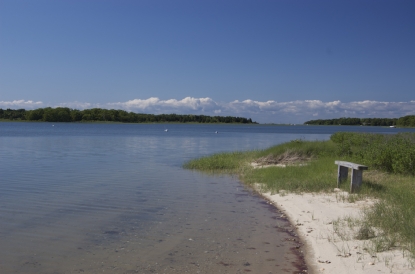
(93, 198)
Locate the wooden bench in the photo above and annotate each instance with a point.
(357, 174)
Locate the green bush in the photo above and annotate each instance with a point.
(390, 153)
(305, 148)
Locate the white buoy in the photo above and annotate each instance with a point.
(166, 130)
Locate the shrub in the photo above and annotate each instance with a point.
(390, 153)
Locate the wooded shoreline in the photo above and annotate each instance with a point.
(62, 114)
(405, 121)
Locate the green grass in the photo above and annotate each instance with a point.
(314, 176)
(390, 178)
(394, 213)
(230, 162)
(307, 148)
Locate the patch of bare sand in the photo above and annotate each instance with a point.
(331, 245)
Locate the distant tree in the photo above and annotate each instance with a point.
(35, 115)
(76, 115)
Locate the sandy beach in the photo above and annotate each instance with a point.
(330, 243)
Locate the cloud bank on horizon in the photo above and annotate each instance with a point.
(270, 111)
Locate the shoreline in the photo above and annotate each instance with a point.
(329, 244)
(346, 233)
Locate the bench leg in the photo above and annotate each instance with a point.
(342, 173)
(357, 176)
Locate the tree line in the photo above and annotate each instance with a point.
(406, 121)
(63, 114)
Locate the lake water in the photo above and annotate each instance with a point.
(94, 198)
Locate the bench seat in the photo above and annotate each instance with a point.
(357, 174)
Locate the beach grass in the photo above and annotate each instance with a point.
(309, 167)
(314, 176)
(229, 162)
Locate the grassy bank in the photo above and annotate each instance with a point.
(310, 167)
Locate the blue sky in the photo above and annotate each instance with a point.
(274, 61)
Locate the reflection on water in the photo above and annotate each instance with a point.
(88, 198)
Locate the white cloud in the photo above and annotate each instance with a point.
(17, 104)
(272, 111)
(78, 105)
(155, 105)
(262, 111)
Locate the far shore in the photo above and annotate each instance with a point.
(136, 123)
